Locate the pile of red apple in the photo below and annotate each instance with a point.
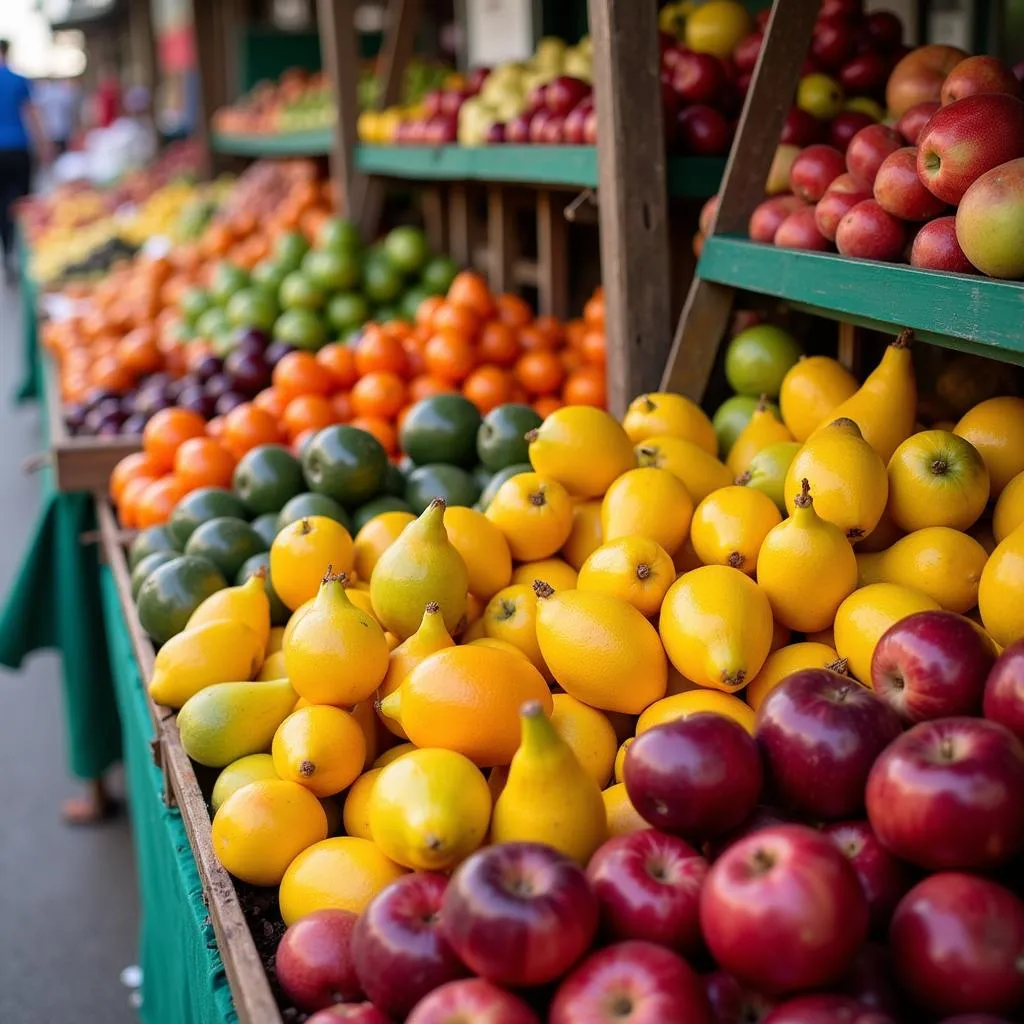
(942, 188)
(859, 860)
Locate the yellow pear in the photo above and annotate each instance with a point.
(762, 430)
(421, 566)
(813, 388)
(227, 721)
(548, 796)
(806, 567)
(699, 470)
(1001, 593)
(651, 503)
(663, 414)
(247, 603)
(214, 652)
(885, 405)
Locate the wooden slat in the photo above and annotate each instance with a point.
(634, 203)
(501, 238)
(708, 307)
(460, 239)
(552, 257)
(432, 205)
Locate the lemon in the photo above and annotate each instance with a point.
(1001, 593)
(620, 757)
(584, 535)
(648, 502)
(376, 537)
(661, 415)
(621, 816)
(302, 554)
(556, 573)
(698, 468)
(1009, 511)
(483, 548)
(252, 768)
(784, 662)
(811, 390)
(729, 526)
(996, 428)
(319, 747)
(511, 616)
(694, 702)
(588, 733)
(247, 604)
(534, 513)
(636, 569)
(355, 814)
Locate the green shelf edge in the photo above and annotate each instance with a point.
(311, 143)
(959, 311)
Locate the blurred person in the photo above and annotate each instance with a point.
(59, 104)
(19, 118)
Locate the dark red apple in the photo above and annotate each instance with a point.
(648, 885)
(671, 55)
(517, 129)
(870, 980)
(349, 1013)
(575, 123)
(537, 122)
(471, 1001)
(475, 78)
(590, 128)
(452, 100)
(564, 92)
(826, 1009)
(913, 121)
(885, 30)
(761, 817)
(845, 125)
(899, 190)
(833, 42)
(936, 248)
(519, 913)
(631, 983)
(919, 75)
(698, 777)
(782, 910)
(931, 665)
(732, 1002)
(883, 878)
(947, 795)
(967, 138)
(441, 130)
(819, 733)
(814, 170)
(864, 75)
(868, 148)
(703, 131)
(867, 232)
(835, 204)
(495, 134)
(698, 77)
(977, 75)
(800, 231)
(400, 954)
(553, 131)
(747, 51)
(851, 9)
(431, 102)
(769, 214)
(957, 944)
(1004, 690)
(800, 128)
(313, 962)
(536, 97)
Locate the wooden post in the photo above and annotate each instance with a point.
(500, 239)
(209, 70)
(460, 241)
(634, 203)
(552, 257)
(708, 306)
(432, 203)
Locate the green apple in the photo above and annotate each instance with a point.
(821, 96)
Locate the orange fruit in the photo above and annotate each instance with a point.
(594, 348)
(167, 430)
(450, 356)
(340, 361)
(586, 386)
(127, 507)
(380, 428)
(469, 289)
(427, 308)
(155, 504)
(248, 426)
(131, 467)
(272, 401)
(138, 351)
(513, 311)
(545, 406)
(623, 817)
(299, 373)
(215, 427)
(376, 537)
(497, 344)
(487, 387)
(380, 394)
(108, 372)
(460, 319)
(593, 311)
(540, 372)
(341, 404)
(203, 462)
(379, 351)
(553, 328)
(426, 386)
(307, 412)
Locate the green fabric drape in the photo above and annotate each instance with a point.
(31, 377)
(183, 976)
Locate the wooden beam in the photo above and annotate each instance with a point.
(634, 204)
(501, 232)
(460, 240)
(708, 306)
(552, 257)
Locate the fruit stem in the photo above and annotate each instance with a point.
(643, 571)
(840, 666)
(260, 573)
(743, 479)
(304, 526)
(537, 498)
(940, 466)
(531, 709)
(530, 436)
(734, 678)
(438, 503)
(649, 404)
(543, 590)
(762, 403)
(330, 577)
(432, 608)
(903, 338)
(735, 559)
(306, 768)
(804, 499)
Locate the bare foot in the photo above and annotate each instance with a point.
(95, 806)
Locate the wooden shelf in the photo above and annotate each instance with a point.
(316, 142)
(953, 310)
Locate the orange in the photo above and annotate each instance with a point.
(247, 426)
(376, 537)
(425, 386)
(415, 363)
(497, 344)
(299, 373)
(427, 309)
(307, 412)
(470, 290)
(594, 348)
(623, 817)
(488, 387)
(204, 462)
(131, 467)
(215, 428)
(460, 319)
(127, 507)
(449, 355)
(553, 328)
(586, 386)
(107, 372)
(167, 431)
(272, 401)
(532, 339)
(540, 372)
(157, 501)
(138, 351)
(344, 873)
(380, 428)
(513, 311)
(340, 361)
(377, 350)
(341, 406)
(379, 393)
(301, 554)
(693, 702)
(571, 360)
(593, 311)
(545, 406)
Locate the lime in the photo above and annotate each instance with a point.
(442, 428)
(266, 526)
(310, 504)
(266, 477)
(332, 271)
(268, 275)
(347, 311)
(290, 249)
(300, 291)
(394, 481)
(499, 478)
(225, 541)
(200, 506)
(407, 249)
(252, 307)
(345, 463)
(482, 475)
(194, 303)
(227, 279)
(731, 417)
(301, 328)
(758, 358)
(501, 439)
(148, 565)
(279, 614)
(438, 274)
(383, 503)
(146, 542)
(382, 281)
(340, 235)
(386, 314)
(439, 480)
(214, 321)
(173, 591)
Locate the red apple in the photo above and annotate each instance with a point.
(819, 733)
(976, 75)
(517, 129)
(313, 962)
(800, 231)
(495, 134)
(936, 248)
(957, 943)
(800, 128)
(769, 214)
(931, 665)
(631, 983)
(747, 51)
(476, 78)
(519, 913)
(851, 9)
(732, 1002)
(698, 77)
(947, 795)
(967, 138)
(400, 954)
(845, 125)
(870, 980)
(988, 221)
(867, 232)
(835, 204)
(703, 131)
(698, 777)
(671, 55)
(782, 910)
(761, 817)
(537, 122)
(833, 42)
(919, 75)
(885, 30)
(648, 885)
(352, 1013)
(864, 75)
(432, 102)
(883, 878)
(867, 149)
(564, 92)
(441, 130)
(1004, 690)
(552, 132)
(452, 100)
(899, 190)
(590, 128)
(536, 97)
(575, 123)
(911, 124)
(471, 1001)
(826, 1009)
(814, 170)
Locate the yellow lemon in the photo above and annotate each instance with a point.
(581, 447)
(698, 469)
(729, 526)
(430, 809)
(365, 717)
(812, 389)
(247, 604)
(784, 662)
(620, 758)
(498, 645)
(534, 513)
(1009, 511)
(273, 667)
(996, 429)
(302, 554)
(716, 625)
(511, 616)
(588, 733)
(251, 768)
(355, 815)
(622, 816)
(392, 754)
(717, 27)
(554, 572)
(337, 874)
(636, 569)
(260, 829)
(648, 503)
(1001, 593)
(661, 414)
(375, 538)
(319, 747)
(276, 640)
(764, 429)
(483, 548)
(585, 534)
(695, 702)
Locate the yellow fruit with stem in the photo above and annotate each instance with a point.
(784, 662)
(247, 604)
(636, 569)
(662, 414)
(301, 554)
(813, 388)
(559, 574)
(511, 616)
(729, 526)
(376, 537)
(650, 503)
(694, 465)
(534, 512)
(762, 430)
(319, 747)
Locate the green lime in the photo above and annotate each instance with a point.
(340, 235)
(172, 592)
(268, 275)
(300, 291)
(347, 311)
(310, 504)
(501, 439)
(266, 477)
(382, 281)
(438, 274)
(439, 480)
(227, 279)
(499, 478)
(332, 271)
(266, 526)
(758, 358)
(194, 303)
(384, 503)
(226, 542)
(301, 328)
(200, 507)
(482, 475)
(279, 614)
(767, 471)
(149, 540)
(394, 481)
(407, 249)
(731, 417)
(290, 249)
(147, 565)
(251, 307)
(345, 463)
(213, 322)
(442, 428)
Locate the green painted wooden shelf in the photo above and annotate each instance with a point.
(958, 311)
(316, 142)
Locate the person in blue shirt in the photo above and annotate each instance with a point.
(17, 118)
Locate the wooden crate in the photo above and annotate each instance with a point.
(250, 988)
